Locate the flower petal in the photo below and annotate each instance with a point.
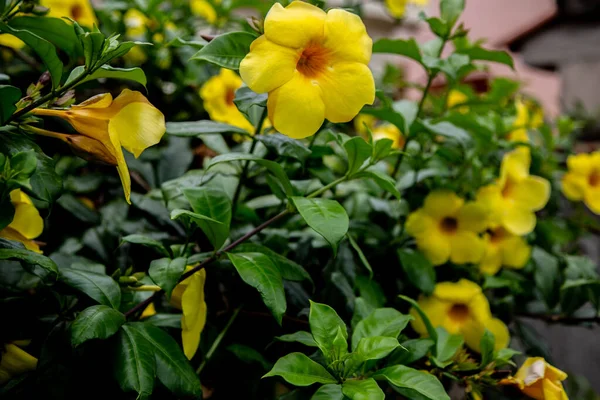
(473, 217)
(296, 108)
(435, 310)
(532, 192)
(194, 313)
(295, 25)
(103, 100)
(346, 36)
(553, 390)
(442, 203)
(121, 164)
(11, 234)
(268, 65)
(27, 221)
(462, 291)
(500, 331)
(515, 252)
(580, 164)
(467, 247)
(573, 186)
(346, 88)
(435, 247)
(591, 198)
(518, 221)
(491, 262)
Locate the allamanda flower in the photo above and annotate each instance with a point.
(204, 9)
(529, 116)
(128, 121)
(582, 181)
(447, 228)
(27, 224)
(461, 308)
(378, 130)
(135, 23)
(188, 296)
(15, 361)
(455, 98)
(503, 249)
(313, 65)
(539, 380)
(516, 196)
(79, 10)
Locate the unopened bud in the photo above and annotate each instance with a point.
(45, 78)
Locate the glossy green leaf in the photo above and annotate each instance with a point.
(386, 322)
(546, 275)
(363, 389)
(479, 53)
(146, 241)
(134, 365)
(55, 30)
(448, 130)
(413, 384)
(285, 146)
(301, 337)
(251, 104)
(106, 71)
(404, 47)
(357, 151)
(9, 95)
(327, 217)
(382, 180)
(446, 345)
(376, 347)
(430, 329)
(30, 257)
(99, 287)
(196, 128)
(450, 10)
(95, 322)
(299, 370)
(165, 272)
(258, 271)
(329, 392)
(487, 348)
(215, 204)
(192, 217)
(325, 324)
(226, 50)
(412, 350)
(418, 269)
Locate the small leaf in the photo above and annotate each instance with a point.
(134, 362)
(375, 347)
(357, 151)
(325, 324)
(386, 322)
(285, 146)
(166, 272)
(446, 345)
(301, 337)
(546, 275)
(487, 344)
(479, 53)
(412, 350)
(418, 269)
(99, 287)
(408, 48)
(226, 50)
(361, 255)
(413, 384)
(192, 217)
(450, 10)
(327, 217)
(448, 130)
(95, 322)
(251, 104)
(55, 30)
(299, 370)
(106, 71)
(430, 329)
(30, 257)
(196, 128)
(328, 392)
(215, 204)
(364, 389)
(382, 180)
(146, 241)
(9, 95)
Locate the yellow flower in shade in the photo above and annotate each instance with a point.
(135, 23)
(503, 249)
(397, 8)
(460, 308)
(148, 311)
(515, 197)
(204, 9)
(313, 65)
(27, 224)
(11, 41)
(128, 121)
(218, 93)
(79, 10)
(582, 181)
(188, 296)
(447, 228)
(15, 361)
(455, 98)
(539, 380)
(364, 119)
(529, 116)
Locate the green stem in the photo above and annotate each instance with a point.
(327, 187)
(218, 340)
(44, 132)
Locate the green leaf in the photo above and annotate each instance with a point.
(479, 53)
(438, 26)
(413, 384)
(364, 389)
(409, 111)
(30, 257)
(408, 48)
(357, 151)
(446, 345)
(9, 95)
(418, 269)
(249, 355)
(92, 43)
(328, 392)
(430, 329)
(448, 130)
(413, 350)
(172, 367)
(301, 337)
(272, 166)
(79, 210)
(381, 149)
(95, 322)
(325, 324)
(99, 287)
(375, 347)
(55, 30)
(196, 128)
(285, 146)
(215, 204)
(327, 217)
(450, 10)
(546, 276)
(165, 272)
(487, 344)
(106, 71)
(258, 271)
(43, 48)
(226, 50)
(386, 322)
(251, 104)
(134, 362)
(382, 180)
(361, 255)
(146, 241)
(299, 370)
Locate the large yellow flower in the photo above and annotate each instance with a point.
(218, 93)
(582, 181)
(313, 65)
(447, 228)
(128, 121)
(515, 197)
(15, 361)
(539, 380)
(502, 248)
(529, 116)
(27, 224)
(461, 308)
(188, 296)
(79, 10)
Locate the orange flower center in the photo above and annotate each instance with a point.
(497, 235)
(76, 11)
(313, 60)
(594, 178)
(508, 188)
(449, 225)
(229, 96)
(459, 312)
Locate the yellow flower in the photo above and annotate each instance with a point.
(11, 41)
(188, 296)
(204, 9)
(313, 65)
(135, 23)
(529, 116)
(389, 131)
(582, 181)
(456, 97)
(128, 121)
(397, 8)
(502, 248)
(136, 55)
(27, 224)
(539, 380)
(148, 311)
(79, 10)
(218, 93)
(364, 119)
(14, 361)
(447, 228)
(460, 308)
(515, 197)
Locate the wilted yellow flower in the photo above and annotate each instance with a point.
(11, 41)
(502, 248)
(188, 296)
(529, 116)
(447, 228)
(582, 181)
(135, 23)
(218, 93)
(15, 361)
(204, 9)
(456, 97)
(27, 224)
(128, 121)
(515, 197)
(397, 8)
(313, 65)
(539, 380)
(460, 308)
(79, 10)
